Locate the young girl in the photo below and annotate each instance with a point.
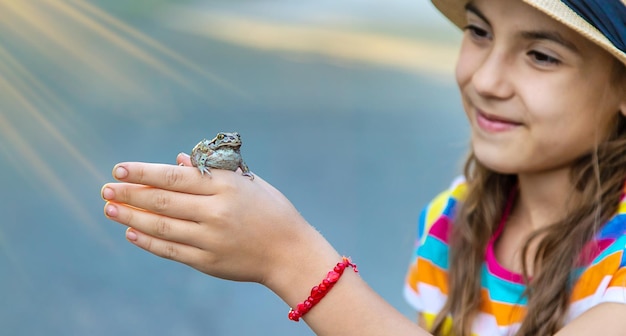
(530, 242)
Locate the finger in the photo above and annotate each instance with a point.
(169, 203)
(163, 227)
(183, 159)
(185, 254)
(163, 176)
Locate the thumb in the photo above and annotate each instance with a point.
(182, 159)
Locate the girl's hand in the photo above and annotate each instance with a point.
(235, 228)
(226, 225)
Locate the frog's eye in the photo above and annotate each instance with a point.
(220, 136)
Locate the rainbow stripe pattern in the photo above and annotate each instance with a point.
(602, 278)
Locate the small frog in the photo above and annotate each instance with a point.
(223, 152)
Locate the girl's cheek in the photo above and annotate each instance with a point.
(464, 66)
(459, 70)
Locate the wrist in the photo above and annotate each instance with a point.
(318, 292)
(299, 266)
(350, 308)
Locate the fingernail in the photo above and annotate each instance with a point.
(110, 210)
(108, 193)
(131, 234)
(120, 172)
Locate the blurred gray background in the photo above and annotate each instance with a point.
(348, 107)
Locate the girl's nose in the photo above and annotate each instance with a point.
(492, 77)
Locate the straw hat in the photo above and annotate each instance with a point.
(455, 11)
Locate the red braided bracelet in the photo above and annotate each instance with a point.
(318, 292)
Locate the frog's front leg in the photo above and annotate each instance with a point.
(204, 169)
(245, 171)
(202, 166)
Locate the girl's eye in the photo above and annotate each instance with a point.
(543, 59)
(477, 32)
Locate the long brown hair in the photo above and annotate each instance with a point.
(598, 177)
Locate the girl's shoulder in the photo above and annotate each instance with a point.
(611, 238)
(442, 206)
(602, 275)
(615, 229)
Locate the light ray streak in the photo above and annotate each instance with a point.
(123, 44)
(51, 30)
(102, 15)
(48, 126)
(17, 266)
(38, 94)
(28, 83)
(117, 40)
(39, 167)
(20, 31)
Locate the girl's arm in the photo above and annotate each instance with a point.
(234, 228)
(606, 319)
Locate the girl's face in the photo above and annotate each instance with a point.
(537, 94)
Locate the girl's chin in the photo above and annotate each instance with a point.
(497, 163)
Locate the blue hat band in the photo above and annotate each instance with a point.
(608, 16)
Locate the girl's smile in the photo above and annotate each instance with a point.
(537, 94)
(491, 123)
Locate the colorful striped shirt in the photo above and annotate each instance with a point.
(503, 305)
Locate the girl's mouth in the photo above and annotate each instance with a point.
(492, 123)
